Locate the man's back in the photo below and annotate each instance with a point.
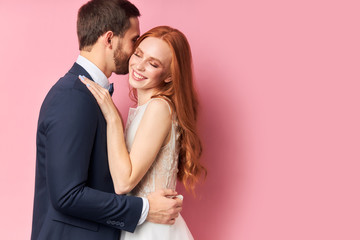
(73, 188)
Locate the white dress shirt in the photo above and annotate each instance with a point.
(99, 77)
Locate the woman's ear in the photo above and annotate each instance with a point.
(168, 79)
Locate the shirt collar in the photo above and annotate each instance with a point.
(96, 74)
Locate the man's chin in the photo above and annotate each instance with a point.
(122, 72)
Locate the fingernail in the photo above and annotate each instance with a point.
(88, 85)
(81, 77)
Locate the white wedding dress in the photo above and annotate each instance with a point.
(162, 174)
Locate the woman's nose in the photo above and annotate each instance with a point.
(140, 66)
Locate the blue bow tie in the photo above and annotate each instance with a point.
(111, 89)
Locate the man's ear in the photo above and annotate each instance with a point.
(108, 39)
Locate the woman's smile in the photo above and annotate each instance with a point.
(137, 76)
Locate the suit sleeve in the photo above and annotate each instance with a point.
(70, 133)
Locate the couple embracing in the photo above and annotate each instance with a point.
(86, 161)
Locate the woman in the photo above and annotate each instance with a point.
(161, 141)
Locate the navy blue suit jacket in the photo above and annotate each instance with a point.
(74, 193)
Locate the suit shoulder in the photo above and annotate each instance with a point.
(71, 81)
(69, 93)
(69, 86)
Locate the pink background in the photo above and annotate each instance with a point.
(279, 85)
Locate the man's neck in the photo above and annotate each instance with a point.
(95, 73)
(98, 60)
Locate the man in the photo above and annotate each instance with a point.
(74, 193)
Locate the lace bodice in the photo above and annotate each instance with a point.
(163, 172)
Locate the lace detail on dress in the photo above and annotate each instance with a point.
(163, 172)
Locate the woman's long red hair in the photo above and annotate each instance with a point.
(184, 100)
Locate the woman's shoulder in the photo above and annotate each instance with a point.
(160, 105)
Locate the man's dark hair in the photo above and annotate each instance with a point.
(97, 17)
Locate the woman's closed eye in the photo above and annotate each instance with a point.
(154, 65)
